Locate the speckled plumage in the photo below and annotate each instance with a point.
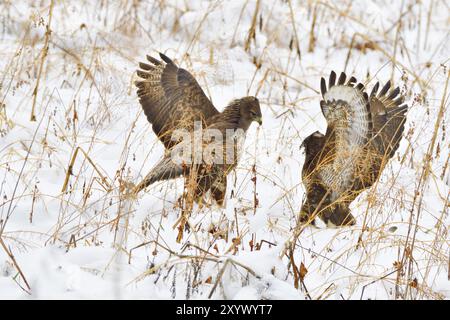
(173, 100)
(363, 133)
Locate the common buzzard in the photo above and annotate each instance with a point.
(363, 133)
(174, 102)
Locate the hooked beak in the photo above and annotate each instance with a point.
(259, 120)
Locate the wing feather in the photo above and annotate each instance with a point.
(346, 109)
(340, 165)
(342, 78)
(171, 97)
(389, 116)
(332, 79)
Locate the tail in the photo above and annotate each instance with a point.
(166, 169)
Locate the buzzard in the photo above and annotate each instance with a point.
(174, 102)
(363, 133)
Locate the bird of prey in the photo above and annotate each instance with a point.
(363, 133)
(174, 102)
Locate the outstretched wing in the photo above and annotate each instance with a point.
(171, 98)
(362, 133)
(389, 116)
(347, 111)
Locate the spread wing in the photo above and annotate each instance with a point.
(363, 133)
(171, 98)
(346, 109)
(389, 116)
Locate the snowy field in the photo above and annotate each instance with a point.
(67, 100)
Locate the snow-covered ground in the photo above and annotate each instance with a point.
(88, 240)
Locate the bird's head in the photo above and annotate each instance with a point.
(250, 110)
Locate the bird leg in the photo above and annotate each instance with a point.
(187, 201)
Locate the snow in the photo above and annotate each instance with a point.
(90, 241)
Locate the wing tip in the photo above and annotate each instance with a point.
(375, 89)
(342, 78)
(385, 89)
(394, 93)
(155, 61)
(332, 80)
(360, 87)
(351, 81)
(145, 66)
(165, 58)
(323, 86)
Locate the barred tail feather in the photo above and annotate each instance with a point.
(166, 169)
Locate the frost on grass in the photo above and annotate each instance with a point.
(73, 138)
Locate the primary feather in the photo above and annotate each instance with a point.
(363, 133)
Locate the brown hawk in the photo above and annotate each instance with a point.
(363, 133)
(174, 102)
